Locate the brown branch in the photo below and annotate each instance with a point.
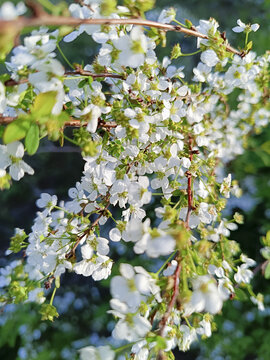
(5, 120)
(189, 183)
(46, 19)
(163, 321)
(71, 253)
(78, 71)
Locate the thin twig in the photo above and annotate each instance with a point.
(5, 120)
(163, 321)
(78, 71)
(71, 253)
(189, 183)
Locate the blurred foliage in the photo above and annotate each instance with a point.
(242, 331)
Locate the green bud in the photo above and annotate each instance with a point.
(188, 23)
(176, 51)
(238, 218)
(5, 181)
(107, 7)
(48, 312)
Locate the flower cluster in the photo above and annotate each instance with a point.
(148, 138)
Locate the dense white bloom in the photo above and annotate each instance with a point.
(151, 135)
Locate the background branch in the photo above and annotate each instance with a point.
(42, 18)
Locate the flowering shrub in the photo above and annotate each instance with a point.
(147, 136)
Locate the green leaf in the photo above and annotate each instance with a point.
(240, 295)
(267, 271)
(16, 130)
(82, 83)
(44, 103)
(266, 252)
(249, 46)
(268, 238)
(32, 139)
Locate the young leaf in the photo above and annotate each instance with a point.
(44, 103)
(16, 130)
(32, 139)
(240, 295)
(267, 271)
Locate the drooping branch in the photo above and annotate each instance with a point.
(42, 18)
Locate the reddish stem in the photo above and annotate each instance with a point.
(163, 321)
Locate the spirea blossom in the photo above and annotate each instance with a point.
(243, 27)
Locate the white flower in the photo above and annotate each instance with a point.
(243, 274)
(243, 27)
(132, 329)
(206, 296)
(115, 234)
(9, 11)
(201, 72)
(130, 288)
(226, 186)
(209, 57)
(132, 48)
(205, 328)
(258, 300)
(97, 353)
(205, 27)
(83, 12)
(47, 201)
(248, 261)
(90, 113)
(188, 336)
(162, 244)
(11, 155)
(167, 15)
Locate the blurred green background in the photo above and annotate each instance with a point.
(242, 332)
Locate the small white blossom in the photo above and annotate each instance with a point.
(243, 27)
(11, 155)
